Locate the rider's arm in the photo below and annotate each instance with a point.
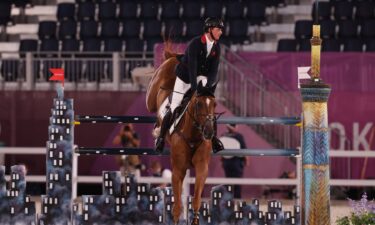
(212, 73)
(193, 50)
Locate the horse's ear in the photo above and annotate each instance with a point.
(213, 88)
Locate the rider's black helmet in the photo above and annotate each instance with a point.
(213, 22)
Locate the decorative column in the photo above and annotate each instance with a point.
(315, 159)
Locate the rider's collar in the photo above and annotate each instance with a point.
(204, 39)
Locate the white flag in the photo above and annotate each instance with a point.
(303, 73)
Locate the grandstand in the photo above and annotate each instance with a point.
(109, 49)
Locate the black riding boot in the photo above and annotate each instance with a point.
(217, 145)
(159, 146)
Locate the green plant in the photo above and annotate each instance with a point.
(362, 213)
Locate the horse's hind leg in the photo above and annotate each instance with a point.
(178, 176)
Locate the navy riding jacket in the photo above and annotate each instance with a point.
(194, 62)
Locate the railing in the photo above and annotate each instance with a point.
(102, 69)
(210, 180)
(248, 93)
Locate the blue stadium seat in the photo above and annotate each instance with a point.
(5, 9)
(353, 45)
(287, 45)
(234, 10)
(94, 68)
(130, 29)
(22, 3)
(149, 9)
(47, 29)
(365, 10)
(72, 67)
(107, 11)
(128, 9)
(86, 11)
(89, 29)
(368, 29)
(110, 29)
(194, 28)
(191, 10)
(113, 45)
(28, 45)
(303, 29)
(66, 11)
(348, 29)
(324, 9)
(370, 45)
(331, 45)
(150, 42)
(328, 29)
(49, 45)
(170, 10)
(304, 45)
(238, 31)
(152, 28)
(343, 10)
(67, 29)
(134, 45)
(70, 45)
(213, 9)
(256, 13)
(173, 28)
(92, 45)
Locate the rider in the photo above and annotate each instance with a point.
(199, 63)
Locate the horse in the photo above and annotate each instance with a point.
(191, 140)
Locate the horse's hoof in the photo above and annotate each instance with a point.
(195, 221)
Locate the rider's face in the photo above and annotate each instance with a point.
(216, 33)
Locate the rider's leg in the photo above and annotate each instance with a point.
(179, 90)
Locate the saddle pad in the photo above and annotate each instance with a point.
(177, 121)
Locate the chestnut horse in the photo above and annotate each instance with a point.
(191, 140)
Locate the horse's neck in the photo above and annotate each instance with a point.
(187, 125)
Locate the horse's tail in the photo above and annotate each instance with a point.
(168, 52)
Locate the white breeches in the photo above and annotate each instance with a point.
(180, 88)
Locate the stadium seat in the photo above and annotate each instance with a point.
(238, 31)
(303, 29)
(173, 28)
(150, 42)
(368, 29)
(170, 10)
(70, 45)
(110, 29)
(287, 45)
(328, 29)
(348, 29)
(152, 28)
(67, 29)
(331, 45)
(194, 28)
(365, 10)
(92, 45)
(86, 11)
(28, 45)
(134, 47)
(256, 13)
(66, 11)
(353, 45)
(22, 3)
(343, 10)
(213, 9)
(113, 45)
(5, 9)
(128, 10)
(370, 46)
(234, 10)
(149, 9)
(191, 10)
(49, 45)
(324, 9)
(89, 29)
(47, 29)
(107, 11)
(304, 45)
(131, 28)
(72, 67)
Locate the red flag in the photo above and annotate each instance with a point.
(57, 74)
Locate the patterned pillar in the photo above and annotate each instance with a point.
(315, 159)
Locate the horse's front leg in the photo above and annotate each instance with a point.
(178, 176)
(201, 160)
